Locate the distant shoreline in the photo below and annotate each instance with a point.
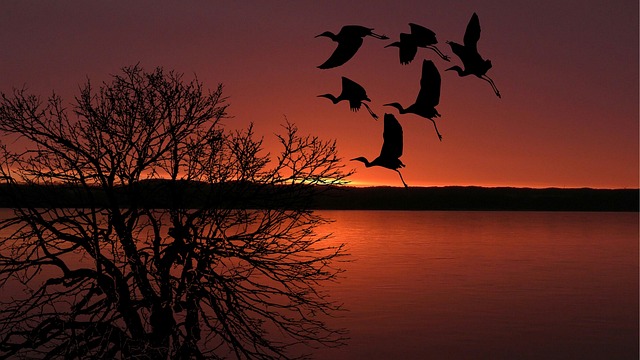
(449, 198)
(456, 198)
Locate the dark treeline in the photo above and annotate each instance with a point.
(154, 194)
(159, 194)
(480, 198)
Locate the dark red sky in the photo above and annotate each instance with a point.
(567, 71)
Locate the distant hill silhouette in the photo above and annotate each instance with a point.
(480, 198)
(154, 194)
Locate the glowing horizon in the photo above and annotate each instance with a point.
(568, 116)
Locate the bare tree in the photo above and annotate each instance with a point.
(185, 241)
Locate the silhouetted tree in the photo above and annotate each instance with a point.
(191, 242)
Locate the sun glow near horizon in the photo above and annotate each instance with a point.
(539, 134)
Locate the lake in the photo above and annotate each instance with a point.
(487, 285)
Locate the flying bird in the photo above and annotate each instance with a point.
(354, 94)
(473, 63)
(391, 147)
(420, 36)
(428, 96)
(406, 47)
(349, 40)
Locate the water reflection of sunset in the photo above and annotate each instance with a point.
(494, 285)
(417, 284)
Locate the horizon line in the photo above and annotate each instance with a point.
(365, 184)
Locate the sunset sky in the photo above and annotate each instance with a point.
(567, 72)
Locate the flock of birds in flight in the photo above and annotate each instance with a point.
(349, 40)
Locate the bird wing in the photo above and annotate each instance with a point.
(392, 138)
(355, 31)
(353, 92)
(347, 47)
(429, 85)
(422, 35)
(352, 89)
(408, 48)
(472, 34)
(458, 49)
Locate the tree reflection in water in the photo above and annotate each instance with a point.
(185, 241)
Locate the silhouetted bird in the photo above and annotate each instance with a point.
(354, 93)
(407, 48)
(349, 40)
(428, 96)
(473, 63)
(409, 43)
(391, 147)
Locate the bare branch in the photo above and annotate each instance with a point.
(188, 241)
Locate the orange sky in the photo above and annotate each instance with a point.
(567, 72)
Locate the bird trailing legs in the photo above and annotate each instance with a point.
(436, 127)
(402, 179)
(443, 56)
(493, 85)
(377, 36)
(370, 112)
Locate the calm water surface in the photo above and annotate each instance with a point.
(487, 285)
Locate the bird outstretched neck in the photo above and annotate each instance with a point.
(333, 99)
(329, 34)
(364, 160)
(368, 164)
(459, 70)
(396, 105)
(482, 76)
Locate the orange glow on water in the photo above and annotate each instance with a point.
(488, 285)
